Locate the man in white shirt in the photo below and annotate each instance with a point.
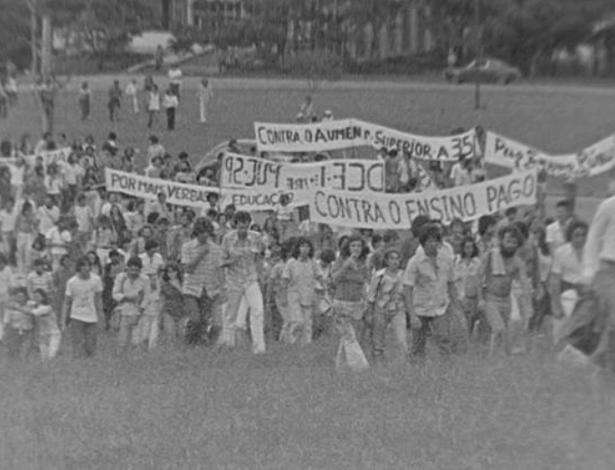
(461, 173)
(175, 78)
(48, 215)
(83, 308)
(556, 232)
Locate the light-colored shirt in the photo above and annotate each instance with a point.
(429, 284)
(138, 288)
(170, 101)
(207, 273)
(240, 257)
(555, 236)
(83, 294)
(7, 219)
(47, 217)
(386, 291)
(600, 244)
(301, 277)
(84, 217)
(35, 281)
(460, 175)
(567, 264)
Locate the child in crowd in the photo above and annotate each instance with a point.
(18, 323)
(131, 290)
(466, 267)
(46, 324)
(39, 278)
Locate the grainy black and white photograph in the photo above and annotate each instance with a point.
(307, 234)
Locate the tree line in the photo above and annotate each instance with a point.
(523, 32)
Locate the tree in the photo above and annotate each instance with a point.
(101, 27)
(529, 31)
(15, 33)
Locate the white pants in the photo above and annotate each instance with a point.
(135, 104)
(236, 311)
(147, 330)
(49, 343)
(24, 252)
(203, 110)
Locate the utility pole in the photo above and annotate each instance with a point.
(46, 46)
(479, 52)
(33, 38)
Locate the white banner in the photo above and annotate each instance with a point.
(397, 211)
(179, 194)
(257, 175)
(49, 156)
(348, 133)
(591, 161)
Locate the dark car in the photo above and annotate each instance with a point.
(485, 71)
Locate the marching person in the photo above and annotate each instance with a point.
(205, 95)
(499, 267)
(115, 100)
(431, 296)
(242, 251)
(202, 283)
(132, 91)
(170, 103)
(349, 277)
(386, 306)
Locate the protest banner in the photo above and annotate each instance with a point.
(180, 194)
(58, 156)
(397, 211)
(348, 133)
(592, 161)
(253, 173)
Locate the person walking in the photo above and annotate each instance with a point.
(205, 95)
(84, 101)
(115, 96)
(170, 103)
(153, 106)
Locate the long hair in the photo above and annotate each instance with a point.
(345, 249)
(303, 241)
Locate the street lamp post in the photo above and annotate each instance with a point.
(479, 53)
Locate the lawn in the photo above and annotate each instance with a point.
(197, 408)
(289, 409)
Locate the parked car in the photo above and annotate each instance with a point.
(486, 70)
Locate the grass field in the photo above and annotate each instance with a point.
(177, 408)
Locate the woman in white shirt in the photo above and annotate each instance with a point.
(567, 273)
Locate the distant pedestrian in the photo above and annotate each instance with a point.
(205, 95)
(175, 80)
(159, 57)
(170, 103)
(115, 96)
(132, 91)
(84, 101)
(153, 106)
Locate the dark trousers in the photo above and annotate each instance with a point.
(16, 341)
(448, 332)
(114, 107)
(170, 119)
(199, 311)
(83, 336)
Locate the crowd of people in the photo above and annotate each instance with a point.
(78, 262)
